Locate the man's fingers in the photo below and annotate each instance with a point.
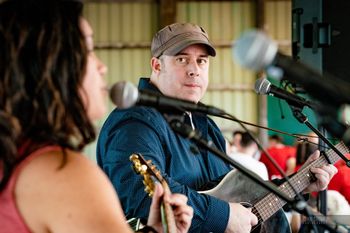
(176, 199)
(314, 156)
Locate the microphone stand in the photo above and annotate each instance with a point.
(301, 207)
(322, 195)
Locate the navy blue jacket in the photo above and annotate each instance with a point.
(185, 166)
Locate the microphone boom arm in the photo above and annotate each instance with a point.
(303, 119)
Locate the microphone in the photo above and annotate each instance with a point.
(125, 95)
(256, 51)
(264, 87)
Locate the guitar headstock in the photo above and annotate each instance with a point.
(147, 170)
(149, 173)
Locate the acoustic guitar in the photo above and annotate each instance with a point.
(149, 172)
(235, 187)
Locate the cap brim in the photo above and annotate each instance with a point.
(180, 45)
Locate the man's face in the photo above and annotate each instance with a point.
(237, 140)
(185, 75)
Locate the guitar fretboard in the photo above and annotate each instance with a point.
(270, 204)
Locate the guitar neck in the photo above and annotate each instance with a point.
(270, 204)
(168, 219)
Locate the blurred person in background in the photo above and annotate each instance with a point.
(236, 140)
(283, 155)
(245, 155)
(341, 181)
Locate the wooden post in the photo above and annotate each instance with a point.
(167, 12)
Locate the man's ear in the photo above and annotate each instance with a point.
(155, 65)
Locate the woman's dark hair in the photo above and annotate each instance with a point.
(43, 59)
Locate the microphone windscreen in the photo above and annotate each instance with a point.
(255, 50)
(262, 86)
(123, 94)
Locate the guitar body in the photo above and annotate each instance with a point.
(235, 187)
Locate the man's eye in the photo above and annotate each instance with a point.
(181, 59)
(202, 61)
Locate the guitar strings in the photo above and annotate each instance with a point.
(304, 172)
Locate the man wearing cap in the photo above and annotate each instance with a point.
(180, 63)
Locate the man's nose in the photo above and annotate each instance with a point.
(193, 69)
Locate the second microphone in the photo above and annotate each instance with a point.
(265, 87)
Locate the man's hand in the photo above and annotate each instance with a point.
(323, 174)
(241, 219)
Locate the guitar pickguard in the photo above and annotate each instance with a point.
(235, 187)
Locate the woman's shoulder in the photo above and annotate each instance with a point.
(62, 190)
(57, 171)
(56, 164)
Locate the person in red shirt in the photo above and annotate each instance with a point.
(282, 154)
(341, 181)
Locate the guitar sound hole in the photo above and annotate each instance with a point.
(246, 204)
